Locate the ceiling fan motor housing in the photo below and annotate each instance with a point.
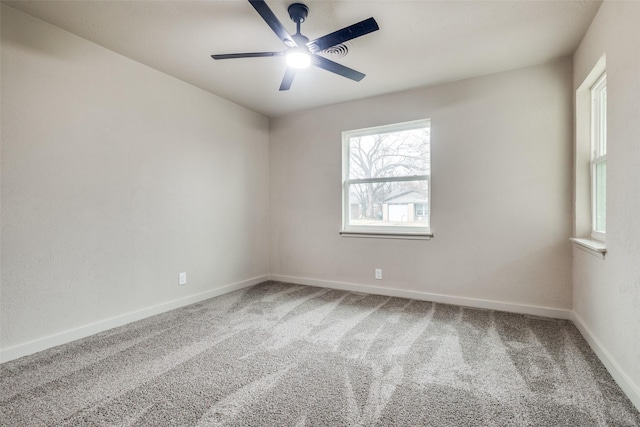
(298, 12)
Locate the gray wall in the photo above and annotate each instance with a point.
(501, 205)
(115, 178)
(606, 293)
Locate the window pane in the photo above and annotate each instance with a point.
(598, 155)
(392, 154)
(600, 196)
(403, 203)
(599, 116)
(603, 121)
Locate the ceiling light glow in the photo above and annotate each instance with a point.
(298, 59)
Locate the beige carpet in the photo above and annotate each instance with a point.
(286, 355)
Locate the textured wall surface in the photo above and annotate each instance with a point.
(607, 292)
(115, 178)
(501, 205)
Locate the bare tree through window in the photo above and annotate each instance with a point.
(388, 176)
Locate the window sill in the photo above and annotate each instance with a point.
(595, 247)
(373, 235)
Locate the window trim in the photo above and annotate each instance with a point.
(382, 231)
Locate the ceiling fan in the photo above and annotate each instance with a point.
(300, 52)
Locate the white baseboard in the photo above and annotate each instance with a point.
(64, 337)
(627, 385)
(533, 310)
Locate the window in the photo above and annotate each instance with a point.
(386, 180)
(599, 158)
(590, 160)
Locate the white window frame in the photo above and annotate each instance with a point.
(382, 231)
(598, 153)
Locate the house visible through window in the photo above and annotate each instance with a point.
(599, 157)
(386, 179)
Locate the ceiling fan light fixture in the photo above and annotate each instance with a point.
(298, 58)
(301, 52)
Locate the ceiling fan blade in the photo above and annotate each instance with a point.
(288, 78)
(261, 7)
(246, 55)
(348, 33)
(334, 67)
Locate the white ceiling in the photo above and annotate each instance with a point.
(419, 43)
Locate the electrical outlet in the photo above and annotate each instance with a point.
(182, 279)
(378, 274)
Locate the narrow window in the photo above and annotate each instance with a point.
(599, 158)
(386, 179)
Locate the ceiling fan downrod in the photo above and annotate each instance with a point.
(298, 13)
